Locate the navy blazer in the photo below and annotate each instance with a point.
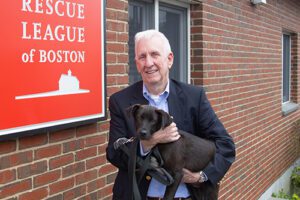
(191, 112)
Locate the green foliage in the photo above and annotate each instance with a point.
(281, 194)
(295, 177)
(295, 197)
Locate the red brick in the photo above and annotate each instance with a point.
(86, 153)
(102, 148)
(41, 193)
(60, 186)
(90, 196)
(116, 47)
(86, 176)
(123, 58)
(62, 135)
(112, 90)
(61, 161)
(95, 140)
(111, 80)
(56, 197)
(111, 178)
(32, 169)
(73, 169)
(111, 35)
(86, 130)
(74, 193)
(46, 152)
(7, 147)
(15, 159)
(116, 4)
(95, 185)
(14, 188)
(33, 141)
(116, 69)
(96, 162)
(104, 126)
(73, 145)
(112, 58)
(46, 178)
(122, 80)
(105, 192)
(123, 37)
(106, 169)
(7, 176)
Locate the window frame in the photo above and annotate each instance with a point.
(188, 13)
(288, 106)
(289, 68)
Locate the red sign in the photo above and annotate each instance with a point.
(52, 63)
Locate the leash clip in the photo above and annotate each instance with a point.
(130, 140)
(121, 141)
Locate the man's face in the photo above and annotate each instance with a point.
(152, 62)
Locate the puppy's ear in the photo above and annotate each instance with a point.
(131, 111)
(165, 118)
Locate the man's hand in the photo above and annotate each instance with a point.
(166, 135)
(190, 177)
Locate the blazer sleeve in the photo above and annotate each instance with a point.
(212, 128)
(118, 129)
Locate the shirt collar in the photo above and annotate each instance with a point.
(164, 94)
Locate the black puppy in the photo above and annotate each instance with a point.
(190, 152)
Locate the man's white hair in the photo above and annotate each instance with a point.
(148, 34)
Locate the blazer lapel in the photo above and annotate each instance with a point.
(176, 102)
(137, 97)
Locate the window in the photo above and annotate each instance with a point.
(289, 95)
(286, 68)
(140, 18)
(154, 14)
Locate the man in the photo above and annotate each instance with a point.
(187, 104)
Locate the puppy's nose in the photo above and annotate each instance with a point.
(143, 132)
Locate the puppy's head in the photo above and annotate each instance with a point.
(148, 120)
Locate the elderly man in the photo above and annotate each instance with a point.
(187, 104)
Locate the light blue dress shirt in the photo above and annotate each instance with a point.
(157, 189)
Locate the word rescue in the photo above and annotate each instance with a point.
(49, 32)
(59, 7)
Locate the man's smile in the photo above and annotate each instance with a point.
(151, 71)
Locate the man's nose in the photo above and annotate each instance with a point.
(149, 61)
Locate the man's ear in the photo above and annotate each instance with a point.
(131, 111)
(165, 118)
(170, 60)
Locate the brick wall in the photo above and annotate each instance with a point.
(235, 54)
(60, 165)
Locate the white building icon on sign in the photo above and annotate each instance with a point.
(68, 82)
(67, 85)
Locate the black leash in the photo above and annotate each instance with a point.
(140, 165)
(132, 171)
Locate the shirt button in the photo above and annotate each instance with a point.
(148, 178)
